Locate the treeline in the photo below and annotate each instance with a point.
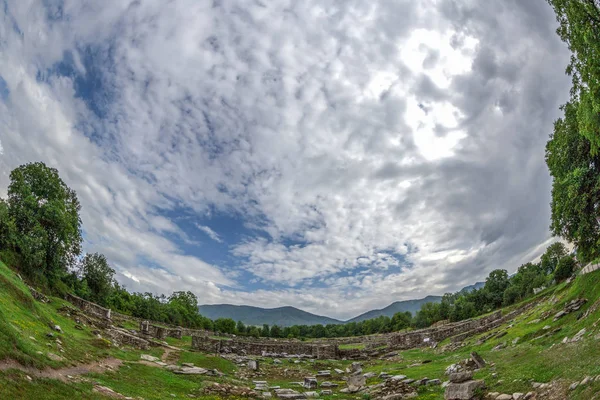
(499, 290)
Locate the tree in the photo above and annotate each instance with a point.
(495, 285)
(240, 328)
(98, 276)
(225, 325)
(579, 27)
(550, 258)
(401, 320)
(183, 309)
(265, 331)
(45, 213)
(575, 186)
(276, 331)
(565, 268)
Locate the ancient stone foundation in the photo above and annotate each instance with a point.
(88, 307)
(427, 337)
(259, 348)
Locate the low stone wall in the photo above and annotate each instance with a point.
(88, 307)
(589, 268)
(125, 338)
(426, 337)
(491, 324)
(258, 348)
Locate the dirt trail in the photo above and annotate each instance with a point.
(171, 355)
(62, 373)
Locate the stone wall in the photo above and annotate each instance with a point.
(126, 338)
(589, 268)
(491, 324)
(260, 347)
(88, 307)
(426, 337)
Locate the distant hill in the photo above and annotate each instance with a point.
(475, 286)
(288, 316)
(399, 306)
(282, 316)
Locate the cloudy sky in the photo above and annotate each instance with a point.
(333, 155)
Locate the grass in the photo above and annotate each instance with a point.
(352, 346)
(208, 362)
(137, 380)
(15, 385)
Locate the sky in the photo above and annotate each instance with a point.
(332, 155)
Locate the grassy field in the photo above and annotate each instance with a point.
(532, 351)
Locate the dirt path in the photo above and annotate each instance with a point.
(63, 373)
(170, 355)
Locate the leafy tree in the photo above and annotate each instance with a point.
(240, 328)
(225, 325)
(401, 320)
(495, 285)
(265, 331)
(183, 309)
(565, 268)
(276, 331)
(98, 276)
(579, 27)
(576, 185)
(45, 214)
(550, 258)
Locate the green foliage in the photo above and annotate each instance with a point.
(571, 152)
(495, 285)
(98, 277)
(579, 27)
(565, 268)
(225, 325)
(42, 220)
(576, 185)
(550, 258)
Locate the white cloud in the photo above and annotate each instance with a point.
(211, 234)
(387, 150)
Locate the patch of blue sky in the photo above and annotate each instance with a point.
(4, 90)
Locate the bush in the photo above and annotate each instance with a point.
(564, 269)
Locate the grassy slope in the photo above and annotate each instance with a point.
(531, 359)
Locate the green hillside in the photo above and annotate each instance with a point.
(531, 349)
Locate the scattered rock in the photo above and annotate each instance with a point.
(356, 383)
(459, 377)
(310, 382)
(578, 336)
(327, 384)
(504, 397)
(480, 362)
(148, 357)
(463, 391)
(54, 357)
(191, 371)
(253, 365)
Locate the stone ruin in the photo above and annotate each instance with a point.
(280, 349)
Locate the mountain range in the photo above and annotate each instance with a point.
(289, 316)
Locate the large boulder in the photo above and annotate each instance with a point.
(463, 391)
